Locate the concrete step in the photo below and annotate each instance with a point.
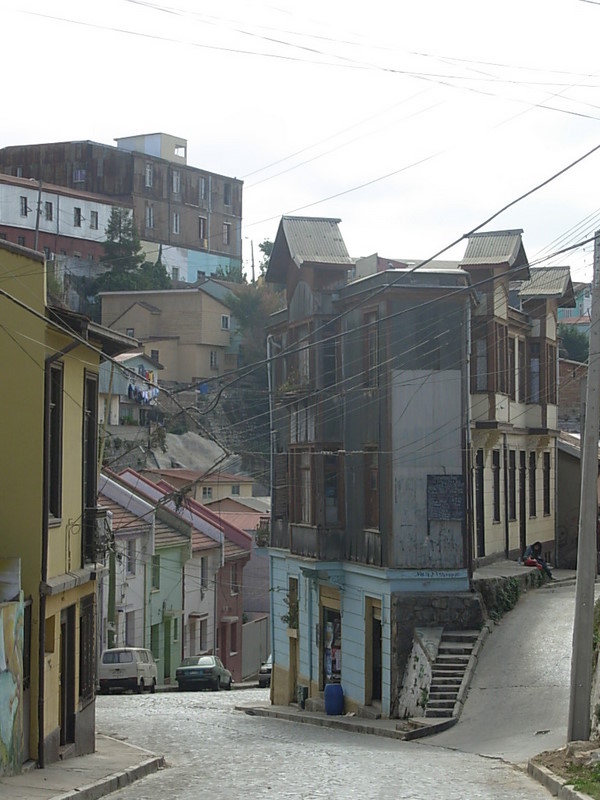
(457, 649)
(442, 696)
(461, 636)
(438, 712)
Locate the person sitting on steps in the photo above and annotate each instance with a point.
(532, 557)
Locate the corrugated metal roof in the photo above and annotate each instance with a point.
(495, 247)
(547, 282)
(315, 240)
(307, 240)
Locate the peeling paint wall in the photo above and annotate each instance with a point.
(11, 687)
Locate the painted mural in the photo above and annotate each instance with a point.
(11, 687)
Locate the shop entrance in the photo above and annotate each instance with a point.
(332, 646)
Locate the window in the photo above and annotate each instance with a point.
(47, 253)
(149, 216)
(21, 240)
(176, 181)
(480, 365)
(87, 651)
(227, 194)
(207, 492)
(94, 220)
(303, 508)
(90, 463)
(23, 206)
(129, 331)
(55, 401)
(176, 221)
(225, 322)
(234, 580)
(512, 484)
(214, 364)
(532, 483)
(371, 478)
(332, 479)
(202, 229)
(154, 355)
(175, 629)
(235, 489)
(546, 472)
(511, 387)
(156, 572)
(496, 483)
(78, 175)
(534, 372)
(233, 635)
(203, 574)
(522, 372)
(501, 341)
(48, 211)
(77, 217)
(226, 233)
(203, 189)
(148, 175)
(175, 273)
(371, 359)
(550, 373)
(131, 556)
(19, 172)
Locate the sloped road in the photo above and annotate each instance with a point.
(518, 703)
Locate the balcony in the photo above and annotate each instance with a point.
(324, 544)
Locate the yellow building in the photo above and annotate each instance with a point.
(48, 397)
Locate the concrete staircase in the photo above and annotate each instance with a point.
(448, 672)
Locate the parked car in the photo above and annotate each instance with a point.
(264, 673)
(203, 672)
(127, 668)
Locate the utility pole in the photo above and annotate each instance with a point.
(583, 624)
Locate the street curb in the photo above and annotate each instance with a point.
(118, 780)
(555, 785)
(428, 730)
(341, 723)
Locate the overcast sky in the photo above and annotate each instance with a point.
(412, 122)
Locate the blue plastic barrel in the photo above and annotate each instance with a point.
(334, 699)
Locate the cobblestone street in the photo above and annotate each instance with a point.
(214, 751)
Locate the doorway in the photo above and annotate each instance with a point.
(67, 676)
(373, 651)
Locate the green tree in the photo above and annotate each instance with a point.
(574, 343)
(252, 305)
(266, 248)
(230, 273)
(123, 255)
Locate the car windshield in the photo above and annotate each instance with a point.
(117, 657)
(198, 661)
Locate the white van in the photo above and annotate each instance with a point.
(127, 668)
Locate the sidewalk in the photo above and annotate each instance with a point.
(113, 766)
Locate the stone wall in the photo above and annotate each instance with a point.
(464, 611)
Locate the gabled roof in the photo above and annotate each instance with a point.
(189, 510)
(496, 247)
(307, 240)
(124, 521)
(549, 282)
